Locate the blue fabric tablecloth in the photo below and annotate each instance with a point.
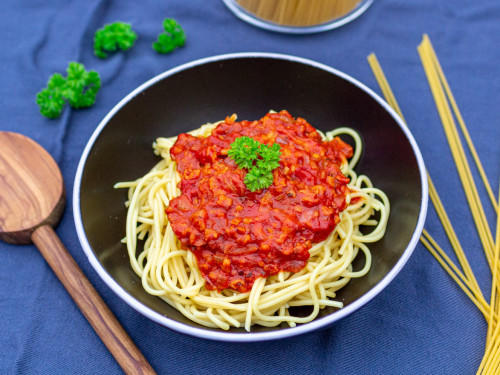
(422, 323)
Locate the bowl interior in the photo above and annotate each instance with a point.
(249, 86)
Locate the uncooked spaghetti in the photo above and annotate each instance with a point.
(299, 12)
(448, 111)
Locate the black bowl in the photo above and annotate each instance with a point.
(248, 84)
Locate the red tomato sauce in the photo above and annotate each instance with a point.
(238, 235)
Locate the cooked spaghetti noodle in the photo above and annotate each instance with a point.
(170, 272)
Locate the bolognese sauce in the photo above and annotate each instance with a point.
(237, 235)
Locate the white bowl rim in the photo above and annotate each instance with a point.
(220, 335)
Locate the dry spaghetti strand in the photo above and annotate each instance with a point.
(443, 97)
(437, 82)
(491, 358)
(391, 99)
(299, 12)
(428, 61)
(426, 41)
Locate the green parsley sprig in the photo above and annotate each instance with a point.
(79, 88)
(50, 99)
(112, 37)
(258, 159)
(172, 38)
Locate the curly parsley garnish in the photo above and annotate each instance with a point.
(172, 38)
(50, 99)
(79, 88)
(258, 159)
(112, 37)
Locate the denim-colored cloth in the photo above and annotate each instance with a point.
(422, 323)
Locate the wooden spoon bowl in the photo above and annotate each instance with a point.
(32, 192)
(32, 199)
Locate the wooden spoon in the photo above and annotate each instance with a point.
(32, 199)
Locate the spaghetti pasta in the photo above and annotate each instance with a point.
(169, 271)
(299, 12)
(468, 276)
(444, 99)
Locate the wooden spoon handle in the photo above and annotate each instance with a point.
(90, 303)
